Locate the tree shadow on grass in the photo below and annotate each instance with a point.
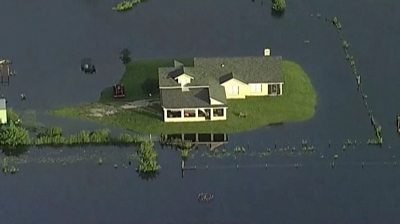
(150, 86)
(107, 94)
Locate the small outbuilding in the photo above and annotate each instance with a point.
(3, 111)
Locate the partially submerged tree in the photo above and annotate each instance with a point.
(147, 158)
(125, 56)
(278, 5)
(14, 136)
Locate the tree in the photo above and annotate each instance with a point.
(278, 5)
(125, 56)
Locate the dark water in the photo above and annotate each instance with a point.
(47, 39)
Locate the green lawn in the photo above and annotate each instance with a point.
(296, 104)
(141, 78)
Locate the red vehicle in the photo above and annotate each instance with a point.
(118, 91)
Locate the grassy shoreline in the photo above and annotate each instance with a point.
(296, 104)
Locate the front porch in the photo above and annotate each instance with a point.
(194, 114)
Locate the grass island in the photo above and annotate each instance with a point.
(140, 110)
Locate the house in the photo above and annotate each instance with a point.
(200, 93)
(3, 111)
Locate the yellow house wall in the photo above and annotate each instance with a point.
(3, 116)
(243, 89)
(264, 90)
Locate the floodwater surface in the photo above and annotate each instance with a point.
(46, 41)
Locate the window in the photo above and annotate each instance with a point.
(174, 113)
(233, 90)
(189, 113)
(218, 112)
(255, 88)
(274, 89)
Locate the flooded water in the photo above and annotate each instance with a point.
(46, 41)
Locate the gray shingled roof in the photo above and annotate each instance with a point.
(217, 92)
(247, 69)
(210, 73)
(176, 98)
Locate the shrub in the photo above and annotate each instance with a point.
(185, 154)
(126, 5)
(46, 140)
(337, 23)
(13, 136)
(125, 56)
(345, 44)
(147, 158)
(239, 149)
(100, 136)
(12, 116)
(278, 5)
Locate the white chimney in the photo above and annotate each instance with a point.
(267, 52)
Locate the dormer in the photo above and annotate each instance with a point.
(183, 79)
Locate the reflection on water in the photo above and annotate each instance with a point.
(212, 140)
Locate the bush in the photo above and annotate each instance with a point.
(185, 154)
(125, 56)
(239, 149)
(337, 23)
(50, 132)
(13, 136)
(12, 116)
(345, 44)
(128, 139)
(147, 158)
(126, 5)
(278, 5)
